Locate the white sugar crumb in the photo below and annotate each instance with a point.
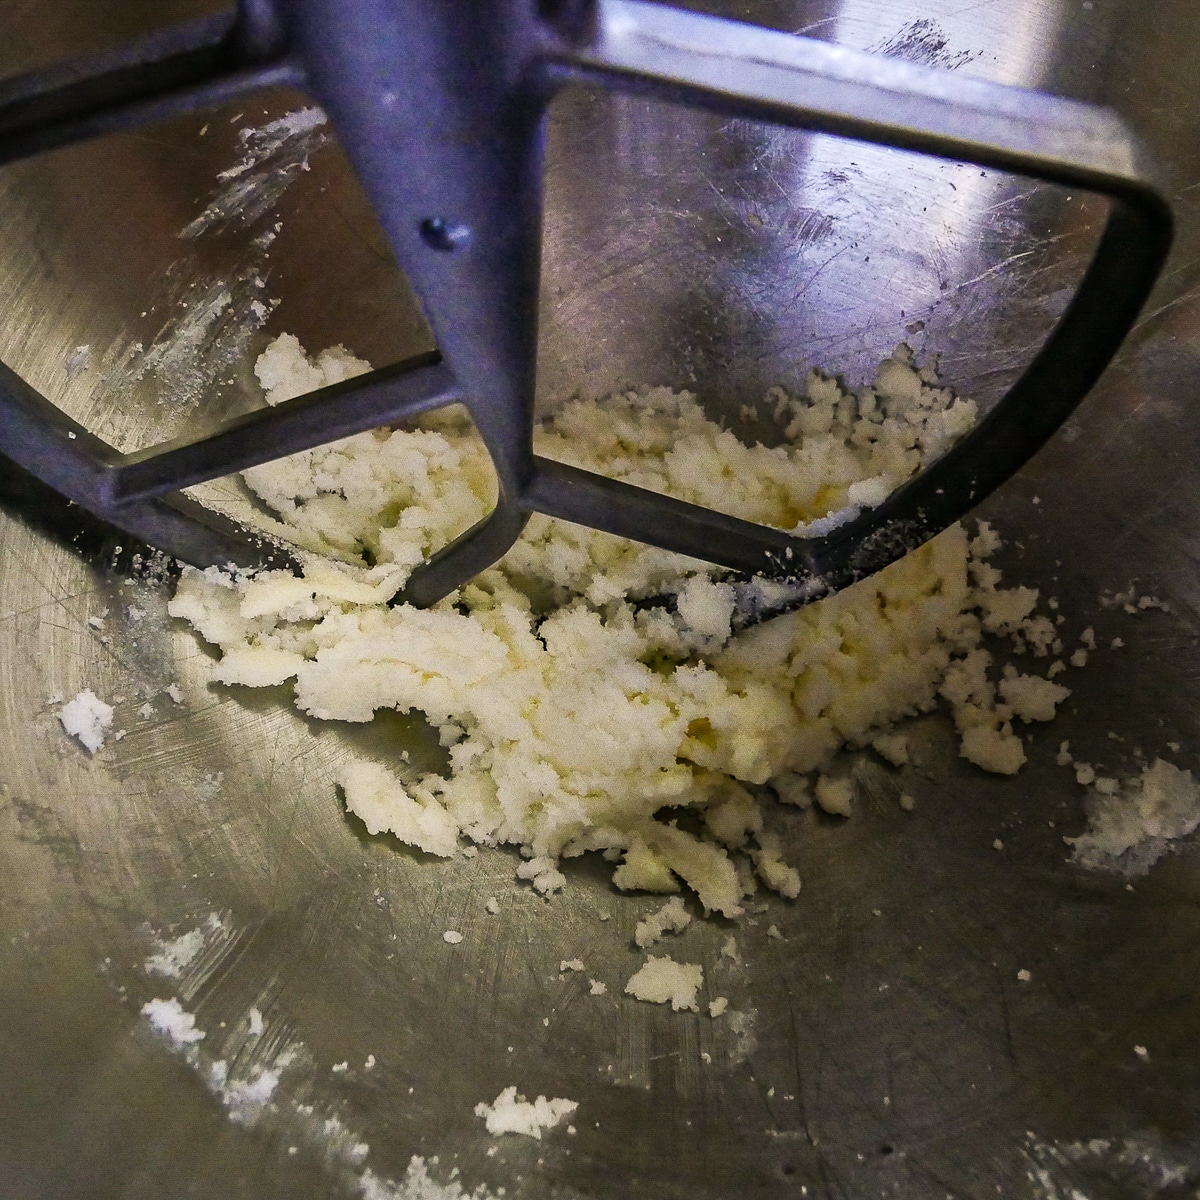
(1142, 1053)
(576, 717)
(245, 1098)
(671, 918)
(662, 980)
(1063, 758)
(773, 932)
(340, 1068)
(86, 718)
(571, 964)
(256, 1024)
(452, 936)
(596, 988)
(246, 1095)
(174, 692)
(510, 1113)
(718, 1006)
(907, 803)
(1079, 658)
(492, 905)
(172, 957)
(1132, 827)
(1024, 976)
(1088, 638)
(1117, 643)
(418, 1184)
(169, 1018)
(1085, 774)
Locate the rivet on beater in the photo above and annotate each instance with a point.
(440, 234)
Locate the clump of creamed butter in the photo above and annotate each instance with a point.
(576, 719)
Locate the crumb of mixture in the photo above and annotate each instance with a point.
(893, 747)
(671, 918)
(835, 796)
(510, 1113)
(662, 981)
(1130, 827)
(169, 1018)
(86, 718)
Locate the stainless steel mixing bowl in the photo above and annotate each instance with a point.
(888, 1045)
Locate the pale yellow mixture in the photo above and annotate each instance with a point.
(574, 719)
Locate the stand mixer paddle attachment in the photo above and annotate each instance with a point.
(443, 120)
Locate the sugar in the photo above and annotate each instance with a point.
(86, 718)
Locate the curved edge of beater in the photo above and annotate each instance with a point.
(746, 71)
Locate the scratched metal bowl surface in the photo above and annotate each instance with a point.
(888, 1048)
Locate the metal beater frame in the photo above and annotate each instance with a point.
(440, 109)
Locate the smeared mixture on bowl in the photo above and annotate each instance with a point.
(577, 718)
